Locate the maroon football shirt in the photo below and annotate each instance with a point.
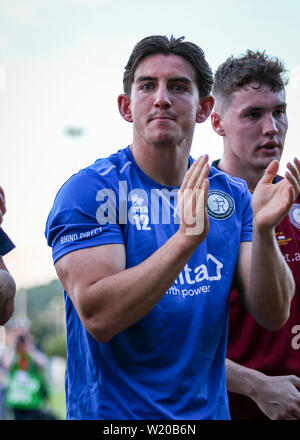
(271, 352)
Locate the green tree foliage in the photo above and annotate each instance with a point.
(39, 297)
(57, 345)
(45, 310)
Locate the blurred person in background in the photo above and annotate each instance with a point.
(27, 390)
(7, 294)
(7, 284)
(3, 381)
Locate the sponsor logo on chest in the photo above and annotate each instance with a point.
(294, 215)
(220, 205)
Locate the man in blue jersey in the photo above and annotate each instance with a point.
(147, 243)
(7, 284)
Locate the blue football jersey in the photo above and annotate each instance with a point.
(171, 363)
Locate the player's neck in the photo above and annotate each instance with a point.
(243, 171)
(165, 165)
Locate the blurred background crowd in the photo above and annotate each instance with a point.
(32, 356)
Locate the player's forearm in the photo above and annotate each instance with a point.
(7, 294)
(241, 379)
(119, 301)
(272, 285)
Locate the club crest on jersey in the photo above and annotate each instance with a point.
(294, 215)
(220, 205)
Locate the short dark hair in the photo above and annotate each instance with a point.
(21, 338)
(252, 66)
(159, 44)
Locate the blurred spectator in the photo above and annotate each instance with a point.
(7, 284)
(3, 380)
(27, 389)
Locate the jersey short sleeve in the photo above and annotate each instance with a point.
(73, 222)
(6, 245)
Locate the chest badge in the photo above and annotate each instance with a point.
(220, 205)
(294, 215)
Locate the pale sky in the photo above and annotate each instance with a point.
(61, 65)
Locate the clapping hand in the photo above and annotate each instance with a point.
(271, 202)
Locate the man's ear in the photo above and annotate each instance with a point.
(124, 104)
(205, 107)
(216, 122)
